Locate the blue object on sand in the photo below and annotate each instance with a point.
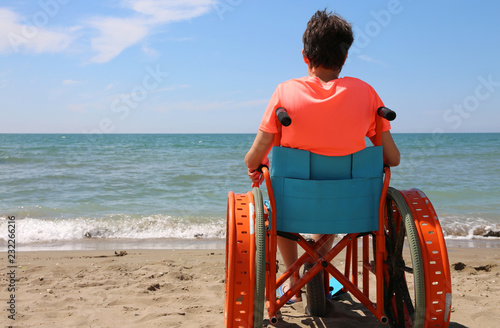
(335, 287)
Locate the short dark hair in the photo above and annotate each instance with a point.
(327, 39)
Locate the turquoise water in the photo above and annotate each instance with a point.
(63, 187)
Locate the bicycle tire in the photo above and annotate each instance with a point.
(260, 259)
(403, 308)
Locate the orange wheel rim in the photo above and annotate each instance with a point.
(240, 249)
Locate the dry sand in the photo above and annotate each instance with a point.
(185, 288)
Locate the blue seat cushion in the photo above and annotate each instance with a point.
(327, 194)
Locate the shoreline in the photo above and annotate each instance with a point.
(185, 288)
(186, 244)
(113, 244)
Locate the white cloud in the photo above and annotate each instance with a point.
(166, 11)
(18, 37)
(150, 51)
(108, 87)
(117, 34)
(371, 60)
(114, 34)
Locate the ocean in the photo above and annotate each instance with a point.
(76, 191)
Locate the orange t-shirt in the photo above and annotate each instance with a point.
(328, 119)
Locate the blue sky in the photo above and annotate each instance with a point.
(172, 66)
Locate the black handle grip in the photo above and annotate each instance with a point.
(261, 166)
(386, 113)
(283, 117)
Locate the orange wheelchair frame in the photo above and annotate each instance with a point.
(406, 218)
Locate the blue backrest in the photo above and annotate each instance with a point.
(326, 194)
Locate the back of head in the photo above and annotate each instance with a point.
(327, 39)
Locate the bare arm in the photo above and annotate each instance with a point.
(259, 150)
(391, 151)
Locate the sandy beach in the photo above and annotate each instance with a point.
(185, 288)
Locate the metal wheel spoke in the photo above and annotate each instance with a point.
(408, 269)
(400, 308)
(398, 249)
(406, 298)
(391, 226)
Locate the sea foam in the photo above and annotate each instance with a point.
(30, 230)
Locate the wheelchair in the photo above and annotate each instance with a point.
(393, 236)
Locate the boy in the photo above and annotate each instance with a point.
(330, 115)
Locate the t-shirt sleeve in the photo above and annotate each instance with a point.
(376, 103)
(268, 122)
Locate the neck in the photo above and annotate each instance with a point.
(323, 74)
